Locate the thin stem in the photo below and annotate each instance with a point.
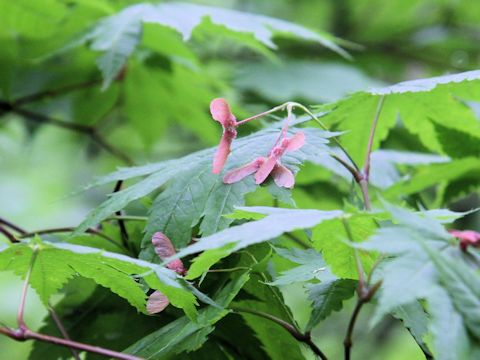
(70, 229)
(8, 235)
(274, 293)
(127, 218)
(23, 298)
(229, 270)
(298, 241)
(366, 196)
(362, 300)
(305, 338)
(358, 262)
(347, 342)
(100, 141)
(12, 226)
(90, 131)
(63, 331)
(40, 118)
(121, 223)
(272, 110)
(356, 175)
(290, 105)
(28, 334)
(366, 168)
(335, 140)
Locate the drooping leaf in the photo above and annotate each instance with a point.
(431, 175)
(275, 340)
(225, 242)
(416, 102)
(330, 239)
(118, 35)
(384, 163)
(93, 315)
(328, 296)
(193, 193)
(462, 285)
(311, 266)
(447, 327)
(416, 320)
(182, 334)
(56, 263)
(310, 81)
(425, 265)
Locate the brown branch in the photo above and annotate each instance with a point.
(366, 167)
(356, 174)
(70, 229)
(27, 334)
(9, 235)
(304, 338)
(63, 331)
(298, 241)
(121, 223)
(363, 298)
(100, 141)
(23, 298)
(12, 226)
(60, 91)
(23, 333)
(87, 130)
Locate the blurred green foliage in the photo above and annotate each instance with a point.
(154, 106)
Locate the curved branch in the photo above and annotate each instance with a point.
(12, 226)
(27, 334)
(87, 130)
(304, 338)
(70, 229)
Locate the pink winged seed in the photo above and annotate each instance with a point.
(288, 144)
(157, 302)
(295, 142)
(164, 248)
(221, 112)
(282, 176)
(265, 169)
(223, 150)
(242, 172)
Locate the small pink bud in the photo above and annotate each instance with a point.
(467, 238)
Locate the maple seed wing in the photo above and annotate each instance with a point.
(222, 153)
(282, 176)
(265, 170)
(296, 141)
(220, 111)
(164, 248)
(242, 172)
(163, 245)
(156, 302)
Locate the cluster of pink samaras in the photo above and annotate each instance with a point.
(164, 248)
(262, 166)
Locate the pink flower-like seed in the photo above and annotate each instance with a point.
(264, 166)
(220, 111)
(164, 248)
